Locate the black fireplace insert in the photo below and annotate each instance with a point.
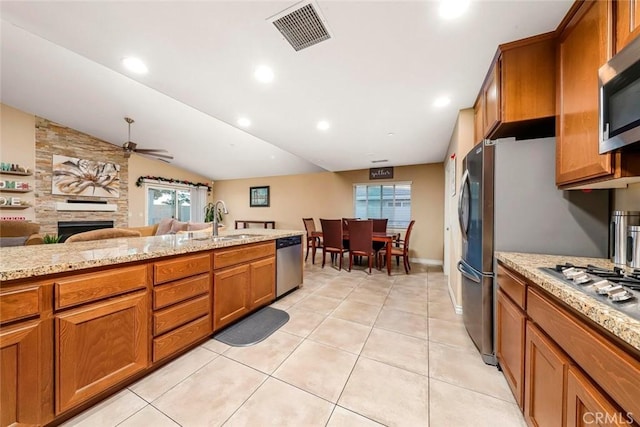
(69, 228)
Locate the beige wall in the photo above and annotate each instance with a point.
(17, 145)
(462, 141)
(143, 166)
(627, 199)
(330, 195)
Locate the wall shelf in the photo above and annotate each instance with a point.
(15, 190)
(16, 173)
(15, 206)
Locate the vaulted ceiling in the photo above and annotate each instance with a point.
(374, 81)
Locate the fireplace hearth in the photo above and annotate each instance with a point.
(69, 228)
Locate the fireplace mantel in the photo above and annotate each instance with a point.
(86, 207)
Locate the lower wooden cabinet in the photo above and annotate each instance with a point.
(242, 288)
(510, 344)
(26, 373)
(587, 406)
(545, 370)
(98, 346)
(263, 282)
(230, 295)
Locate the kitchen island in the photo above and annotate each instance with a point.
(80, 321)
(570, 358)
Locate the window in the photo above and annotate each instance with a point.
(391, 201)
(167, 202)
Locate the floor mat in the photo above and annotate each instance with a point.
(255, 328)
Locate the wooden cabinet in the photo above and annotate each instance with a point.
(182, 303)
(98, 346)
(26, 355)
(584, 45)
(627, 22)
(587, 406)
(545, 370)
(517, 97)
(101, 331)
(246, 281)
(510, 344)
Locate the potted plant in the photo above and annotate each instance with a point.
(51, 238)
(209, 211)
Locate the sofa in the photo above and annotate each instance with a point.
(19, 233)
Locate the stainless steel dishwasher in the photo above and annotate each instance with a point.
(288, 264)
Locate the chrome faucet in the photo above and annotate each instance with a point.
(215, 215)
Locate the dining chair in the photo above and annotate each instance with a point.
(361, 241)
(310, 226)
(345, 230)
(379, 226)
(401, 251)
(332, 236)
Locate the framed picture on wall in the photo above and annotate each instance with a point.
(259, 197)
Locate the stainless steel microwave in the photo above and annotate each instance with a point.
(620, 99)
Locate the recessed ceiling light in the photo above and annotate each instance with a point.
(264, 74)
(390, 134)
(442, 101)
(323, 125)
(450, 9)
(135, 65)
(244, 122)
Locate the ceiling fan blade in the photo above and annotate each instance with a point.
(150, 150)
(166, 156)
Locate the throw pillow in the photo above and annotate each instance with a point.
(164, 227)
(178, 226)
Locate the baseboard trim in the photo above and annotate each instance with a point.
(456, 307)
(426, 261)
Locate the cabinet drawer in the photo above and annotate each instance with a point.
(180, 291)
(512, 286)
(181, 267)
(180, 338)
(88, 287)
(172, 317)
(20, 304)
(226, 257)
(617, 372)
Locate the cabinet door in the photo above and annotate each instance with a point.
(586, 406)
(263, 282)
(98, 346)
(627, 22)
(492, 99)
(545, 366)
(510, 329)
(230, 294)
(26, 370)
(583, 47)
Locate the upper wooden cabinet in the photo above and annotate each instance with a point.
(517, 97)
(627, 22)
(585, 43)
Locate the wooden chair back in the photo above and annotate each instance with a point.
(407, 236)
(332, 233)
(309, 225)
(361, 236)
(380, 225)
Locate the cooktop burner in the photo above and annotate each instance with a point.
(613, 287)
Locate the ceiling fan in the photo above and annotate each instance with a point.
(130, 147)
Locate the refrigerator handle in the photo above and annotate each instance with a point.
(471, 275)
(463, 185)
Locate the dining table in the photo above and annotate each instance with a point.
(378, 236)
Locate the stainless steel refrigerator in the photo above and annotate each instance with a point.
(509, 202)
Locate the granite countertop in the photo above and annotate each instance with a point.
(40, 260)
(614, 321)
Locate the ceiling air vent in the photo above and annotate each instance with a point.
(302, 25)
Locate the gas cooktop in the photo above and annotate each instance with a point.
(612, 287)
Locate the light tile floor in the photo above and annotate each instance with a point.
(359, 350)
